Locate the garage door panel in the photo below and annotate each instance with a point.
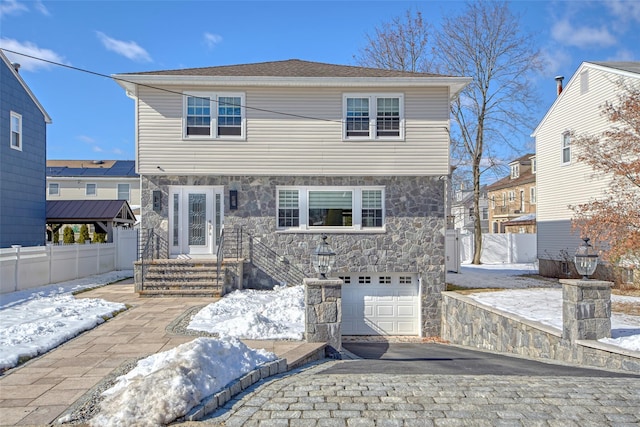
(386, 309)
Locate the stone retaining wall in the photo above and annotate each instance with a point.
(469, 323)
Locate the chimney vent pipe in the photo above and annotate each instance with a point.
(559, 80)
(16, 67)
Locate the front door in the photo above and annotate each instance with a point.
(195, 219)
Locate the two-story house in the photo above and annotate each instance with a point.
(513, 199)
(94, 180)
(285, 152)
(23, 153)
(562, 180)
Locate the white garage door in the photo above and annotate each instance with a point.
(380, 304)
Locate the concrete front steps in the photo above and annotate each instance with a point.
(181, 278)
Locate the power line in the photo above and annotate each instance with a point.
(162, 89)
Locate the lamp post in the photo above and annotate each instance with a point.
(323, 258)
(586, 259)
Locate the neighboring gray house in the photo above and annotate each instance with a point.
(280, 153)
(23, 153)
(563, 181)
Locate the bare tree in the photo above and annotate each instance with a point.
(614, 218)
(485, 42)
(398, 45)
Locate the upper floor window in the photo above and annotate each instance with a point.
(368, 116)
(534, 165)
(504, 199)
(337, 207)
(533, 195)
(485, 213)
(124, 191)
(90, 189)
(493, 202)
(213, 115)
(512, 196)
(566, 148)
(16, 131)
(54, 189)
(515, 170)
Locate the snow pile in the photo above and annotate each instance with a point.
(42, 323)
(251, 314)
(545, 306)
(167, 385)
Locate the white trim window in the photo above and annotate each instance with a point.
(91, 190)
(515, 171)
(566, 148)
(373, 116)
(209, 115)
(512, 196)
(309, 208)
(16, 131)
(54, 189)
(532, 195)
(124, 192)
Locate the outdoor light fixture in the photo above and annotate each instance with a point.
(323, 258)
(586, 259)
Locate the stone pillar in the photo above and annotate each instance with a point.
(586, 309)
(323, 311)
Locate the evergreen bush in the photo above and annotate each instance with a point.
(56, 237)
(84, 234)
(68, 236)
(99, 237)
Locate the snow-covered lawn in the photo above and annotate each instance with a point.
(250, 314)
(526, 298)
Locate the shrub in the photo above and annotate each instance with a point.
(68, 235)
(99, 237)
(56, 237)
(84, 234)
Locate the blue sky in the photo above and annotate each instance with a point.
(93, 118)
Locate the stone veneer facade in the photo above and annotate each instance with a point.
(413, 241)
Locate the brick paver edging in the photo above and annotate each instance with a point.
(219, 399)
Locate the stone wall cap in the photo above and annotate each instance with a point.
(586, 283)
(322, 282)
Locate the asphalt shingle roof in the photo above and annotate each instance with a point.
(96, 210)
(106, 168)
(287, 68)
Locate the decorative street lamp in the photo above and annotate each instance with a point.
(323, 258)
(586, 259)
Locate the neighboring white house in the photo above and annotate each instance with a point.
(561, 180)
(463, 213)
(287, 151)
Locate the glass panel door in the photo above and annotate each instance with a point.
(197, 219)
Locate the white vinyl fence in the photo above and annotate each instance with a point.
(501, 248)
(29, 267)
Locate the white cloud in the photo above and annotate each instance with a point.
(30, 49)
(87, 139)
(624, 10)
(129, 49)
(565, 33)
(40, 7)
(556, 60)
(212, 39)
(11, 7)
(623, 55)
(117, 151)
(97, 149)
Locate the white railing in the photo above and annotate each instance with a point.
(30, 267)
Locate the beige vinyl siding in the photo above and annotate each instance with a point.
(560, 186)
(106, 188)
(306, 140)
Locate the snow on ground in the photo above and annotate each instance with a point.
(173, 381)
(35, 321)
(539, 305)
(251, 314)
(167, 385)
